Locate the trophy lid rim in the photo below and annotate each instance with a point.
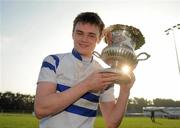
(136, 34)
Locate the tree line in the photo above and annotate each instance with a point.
(136, 104)
(17, 102)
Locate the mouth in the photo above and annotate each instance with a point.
(83, 45)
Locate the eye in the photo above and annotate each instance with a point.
(92, 35)
(79, 33)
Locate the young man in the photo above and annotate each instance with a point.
(71, 86)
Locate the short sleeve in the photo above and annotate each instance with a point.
(107, 95)
(48, 69)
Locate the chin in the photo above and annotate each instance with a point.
(85, 54)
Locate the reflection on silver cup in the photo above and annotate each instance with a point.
(119, 54)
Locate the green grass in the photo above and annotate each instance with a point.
(18, 121)
(142, 122)
(145, 122)
(29, 121)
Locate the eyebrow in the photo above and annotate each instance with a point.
(91, 33)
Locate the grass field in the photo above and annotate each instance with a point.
(29, 121)
(143, 122)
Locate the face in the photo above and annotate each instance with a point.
(85, 37)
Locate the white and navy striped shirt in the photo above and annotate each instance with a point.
(66, 70)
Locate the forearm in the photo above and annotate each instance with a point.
(56, 102)
(117, 113)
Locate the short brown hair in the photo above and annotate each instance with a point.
(89, 17)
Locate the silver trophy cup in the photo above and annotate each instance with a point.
(119, 54)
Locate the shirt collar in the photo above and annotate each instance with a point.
(77, 55)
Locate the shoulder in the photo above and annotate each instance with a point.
(55, 59)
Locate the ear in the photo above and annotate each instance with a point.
(101, 36)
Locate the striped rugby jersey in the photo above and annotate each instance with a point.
(66, 70)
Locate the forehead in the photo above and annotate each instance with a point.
(87, 27)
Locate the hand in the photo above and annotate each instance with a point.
(127, 87)
(98, 81)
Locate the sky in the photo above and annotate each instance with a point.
(32, 29)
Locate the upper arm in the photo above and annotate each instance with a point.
(107, 102)
(45, 88)
(106, 109)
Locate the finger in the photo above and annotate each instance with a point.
(104, 75)
(109, 79)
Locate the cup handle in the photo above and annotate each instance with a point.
(96, 54)
(143, 53)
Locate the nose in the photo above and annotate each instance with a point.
(84, 38)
